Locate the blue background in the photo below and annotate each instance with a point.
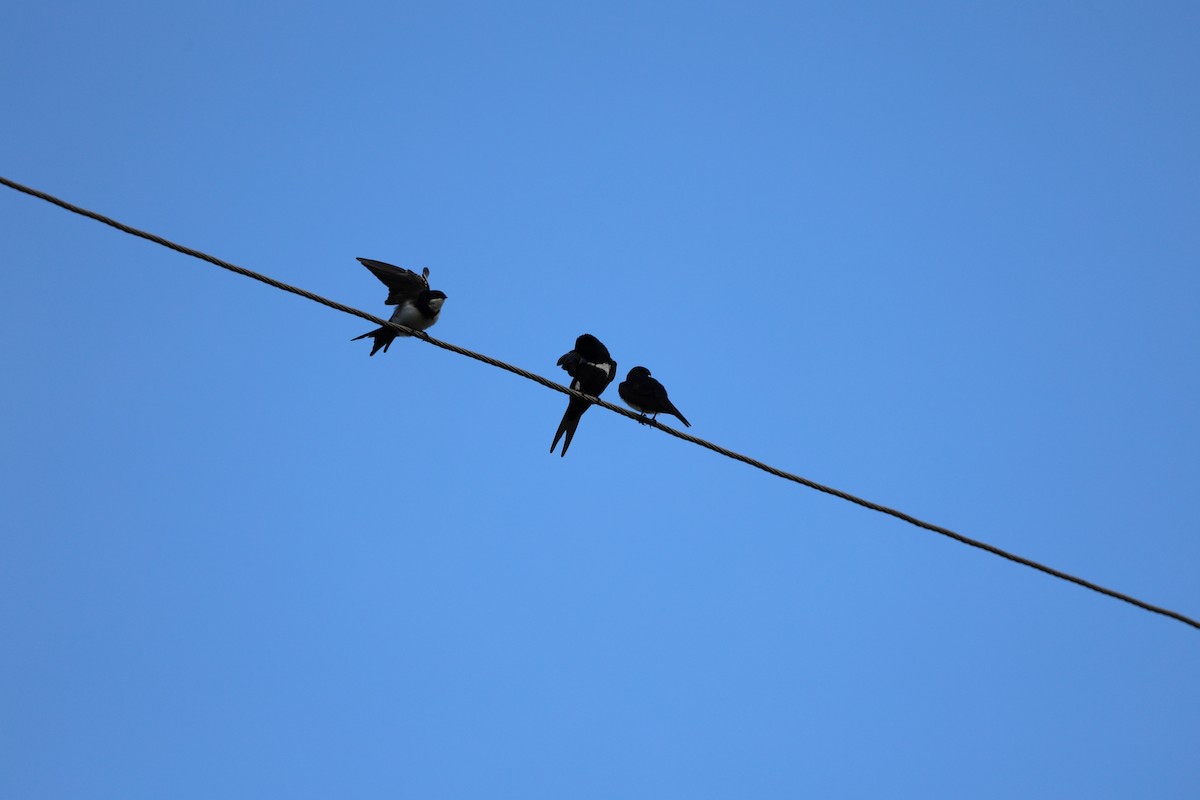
(940, 255)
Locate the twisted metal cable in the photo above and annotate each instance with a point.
(549, 384)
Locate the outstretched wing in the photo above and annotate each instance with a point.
(403, 284)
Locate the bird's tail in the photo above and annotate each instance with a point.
(570, 421)
(383, 339)
(671, 409)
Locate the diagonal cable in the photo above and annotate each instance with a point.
(549, 384)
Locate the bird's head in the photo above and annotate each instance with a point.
(434, 299)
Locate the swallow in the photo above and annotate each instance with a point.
(591, 369)
(417, 306)
(646, 395)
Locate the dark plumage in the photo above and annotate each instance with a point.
(646, 395)
(592, 370)
(417, 305)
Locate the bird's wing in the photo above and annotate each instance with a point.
(570, 361)
(656, 392)
(403, 284)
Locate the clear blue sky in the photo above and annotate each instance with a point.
(942, 255)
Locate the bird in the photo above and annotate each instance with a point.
(646, 395)
(417, 306)
(591, 369)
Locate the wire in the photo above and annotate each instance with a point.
(958, 537)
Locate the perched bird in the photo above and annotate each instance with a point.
(417, 306)
(592, 370)
(646, 395)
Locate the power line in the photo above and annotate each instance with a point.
(958, 537)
